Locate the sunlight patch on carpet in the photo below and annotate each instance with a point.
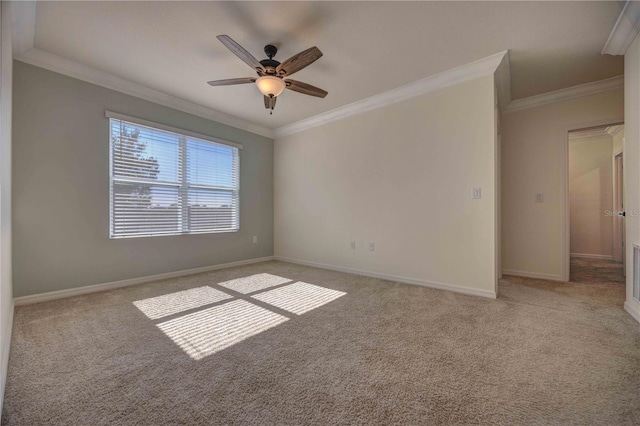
(206, 320)
(211, 330)
(253, 283)
(299, 297)
(173, 303)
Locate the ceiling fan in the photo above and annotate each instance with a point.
(271, 73)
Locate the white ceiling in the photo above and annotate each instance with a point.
(369, 47)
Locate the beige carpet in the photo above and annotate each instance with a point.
(318, 347)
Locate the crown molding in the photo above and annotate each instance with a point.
(503, 82)
(51, 62)
(624, 31)
(573, 92)
(473, 70)
(23, 17)
(614, 130)
(589, 134)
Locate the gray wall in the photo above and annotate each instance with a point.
(61, 189)
(6, 295)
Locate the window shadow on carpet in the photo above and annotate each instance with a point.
(206, 320)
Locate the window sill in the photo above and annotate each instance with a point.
(173, 234)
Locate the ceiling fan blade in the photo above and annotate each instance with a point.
(241, 53)
(307, 89)
(299, 61)
(231, 81)
(270, 102)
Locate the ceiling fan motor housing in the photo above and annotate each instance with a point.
(270, 64)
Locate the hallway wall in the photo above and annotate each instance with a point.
(591, 194)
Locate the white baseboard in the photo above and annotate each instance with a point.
(432, 284)
(535, 275)
(60, 294)
(633, 310)
(592, 256)
(6, 346)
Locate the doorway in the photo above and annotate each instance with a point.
(596, 204)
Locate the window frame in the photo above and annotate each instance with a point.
(182, 184)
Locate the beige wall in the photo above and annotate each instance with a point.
(591, 194)
(61, 190)
(632, 165)
(402, 178)
(534, 147)
(6, 293)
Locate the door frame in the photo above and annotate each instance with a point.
(618, 205)
(566, 261)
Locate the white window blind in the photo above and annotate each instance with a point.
(168, 182)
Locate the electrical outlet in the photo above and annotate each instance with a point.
(255, 239)
(476, 193)
(353, 245)
(371, 246)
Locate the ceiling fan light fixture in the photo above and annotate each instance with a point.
(270, 85)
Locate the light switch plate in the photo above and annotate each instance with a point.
(476, 193)
(539, 198)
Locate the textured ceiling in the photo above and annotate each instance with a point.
(369, 47)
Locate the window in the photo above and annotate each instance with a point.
(169, 181)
